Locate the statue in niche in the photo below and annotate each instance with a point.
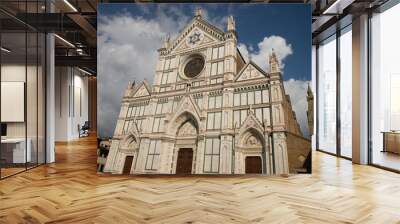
(252, 141)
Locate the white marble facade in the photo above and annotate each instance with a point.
(205, 99)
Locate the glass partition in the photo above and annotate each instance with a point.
(22, 77)
(327, 95)
(385, 89)
(13, 94)
(346, 92)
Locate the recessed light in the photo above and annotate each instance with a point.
(84, 71)
(64, 40)
(70, 5)
(5, 50)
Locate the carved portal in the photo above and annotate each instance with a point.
(187, 129)
(129, 144)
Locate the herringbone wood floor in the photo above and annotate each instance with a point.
(70, 191)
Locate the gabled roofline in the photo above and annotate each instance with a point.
(241, 56)
(146, 85)
(175, 42)
(255, 65)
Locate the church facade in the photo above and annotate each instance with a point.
(208, 111)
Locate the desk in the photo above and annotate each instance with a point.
(391, 141)
(13, 150)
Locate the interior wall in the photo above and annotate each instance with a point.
(16, 73)
(71, 102)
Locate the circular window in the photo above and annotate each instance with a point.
(194, 66)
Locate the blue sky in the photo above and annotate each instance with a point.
(290, 21)
(130, 34)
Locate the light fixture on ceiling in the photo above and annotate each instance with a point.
(5, 50)
(337, 7)
(70, 5)
(79, 51)
(64, 40)
(333, 6)
(84, 71)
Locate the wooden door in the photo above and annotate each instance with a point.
(184, 163)
(127, 165)
(253, 164)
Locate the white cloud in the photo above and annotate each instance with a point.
(297, 90)
(216, 20)
(261, 55)
(127, 51)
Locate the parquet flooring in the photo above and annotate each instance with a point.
(70, 191)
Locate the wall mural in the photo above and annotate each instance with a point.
(204, 89)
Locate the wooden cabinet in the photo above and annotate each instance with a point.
(391, 142)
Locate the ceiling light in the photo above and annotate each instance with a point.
(64, 40)
(5, 50)
(70, 5)
(331, 7)
(337, 7)
(84, 71)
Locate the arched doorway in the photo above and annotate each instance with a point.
(252, 151)
(128, 150)
(253, 164)
(184, 162)
(186, 144)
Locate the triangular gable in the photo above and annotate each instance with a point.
(132, 136)
(250, 71)
(187, 104)
(205, 39)
(142, 90)
(134, 130)
(210, 32)
(251, 122)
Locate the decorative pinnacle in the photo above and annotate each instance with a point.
(198, 12)
(231, 24)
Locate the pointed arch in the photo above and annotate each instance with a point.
(183, 118)
(187, 110)
(251, 138)
(187, 128)
(130, 143)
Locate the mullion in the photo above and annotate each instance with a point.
(212, 151)
(0, 91)
(37, 91)
(338, 73)
(26, 86)
(214, 125)
(152, 160)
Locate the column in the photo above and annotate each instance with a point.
(360, 90)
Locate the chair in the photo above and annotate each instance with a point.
(84, 130)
